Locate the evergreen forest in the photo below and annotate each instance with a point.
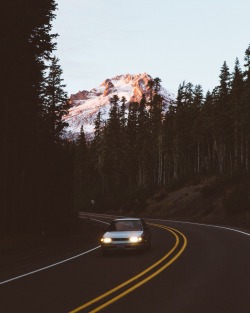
(143, 147)
(152, 147)
(36, 167)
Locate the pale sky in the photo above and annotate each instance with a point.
(174, 40)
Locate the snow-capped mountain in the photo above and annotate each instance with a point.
(86, 104)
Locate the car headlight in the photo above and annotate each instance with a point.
(106, 240)
(135, 239)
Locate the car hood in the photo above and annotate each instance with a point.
(123, 234)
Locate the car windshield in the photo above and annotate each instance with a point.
(125, 226)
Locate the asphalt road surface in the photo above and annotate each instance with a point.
(190, 268)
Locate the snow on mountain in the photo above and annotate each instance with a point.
(86, 104)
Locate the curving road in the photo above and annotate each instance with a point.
(191, 268)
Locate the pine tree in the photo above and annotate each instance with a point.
(56, 100)
(196, 129)
(156, 116)
(150, 87)
(31, 165)
(207, 121)
(235, 102)
(144, 146)
(123, 112)
(246, 111)
(224, 80)
(83, 168)
(183, 124)
(25, 41)
(170, 146)
(112, 150)
(98, 129)
(157, 84)
(223, 121)
(96, 157)
(131, 136)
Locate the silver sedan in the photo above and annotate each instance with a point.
(126, 234)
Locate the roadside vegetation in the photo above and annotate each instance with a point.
(149, 152)
(36, 166)
(134, 156)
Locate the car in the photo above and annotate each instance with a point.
(126, 234)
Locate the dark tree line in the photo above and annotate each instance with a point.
(151, 147)
(36, 168)
(45, 180)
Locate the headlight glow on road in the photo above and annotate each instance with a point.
(135, 239)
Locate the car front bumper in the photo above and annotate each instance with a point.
(122, 246)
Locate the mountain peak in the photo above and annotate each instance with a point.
(86, 104)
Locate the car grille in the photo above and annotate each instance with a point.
(120, 239)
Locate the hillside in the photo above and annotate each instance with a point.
(215, 201)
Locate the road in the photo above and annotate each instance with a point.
(191, 268)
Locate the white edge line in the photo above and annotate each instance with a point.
(182, 222)
(46, 267)
(207, 225)
(52, 265)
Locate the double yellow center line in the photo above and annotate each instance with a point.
(158, 267)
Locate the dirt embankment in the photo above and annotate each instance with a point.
(210, 201)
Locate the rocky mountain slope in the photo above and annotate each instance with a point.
(86, 104)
